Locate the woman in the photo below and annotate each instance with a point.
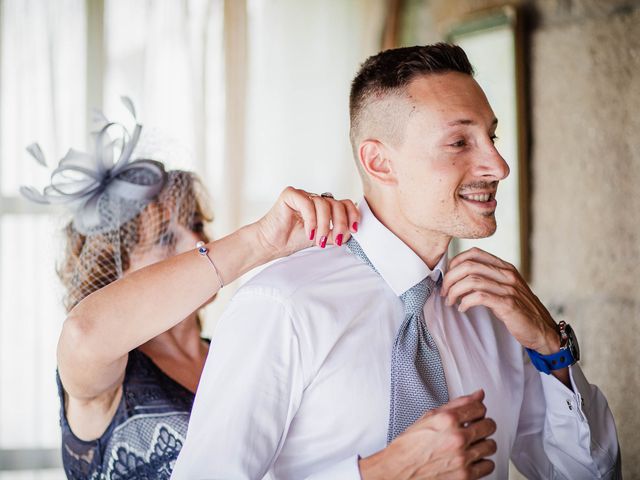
(130, 353)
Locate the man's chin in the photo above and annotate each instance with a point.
(480, 231)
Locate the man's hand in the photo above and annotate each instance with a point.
(476, 277)
(449, 442)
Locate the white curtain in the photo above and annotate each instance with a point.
(302, 58)
(42, 85)
(168, 56)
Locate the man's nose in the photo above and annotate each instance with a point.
(493, 165)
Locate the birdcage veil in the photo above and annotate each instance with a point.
(123, 208)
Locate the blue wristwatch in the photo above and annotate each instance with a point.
(568, 355)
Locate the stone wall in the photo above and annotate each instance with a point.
(584, 86)
(585, 166)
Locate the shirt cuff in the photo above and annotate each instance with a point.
(561, 400)
(345, 470)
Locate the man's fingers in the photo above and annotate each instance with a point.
(478, 255)
(474, 268)
(474, 283)
(455, 417)
(494, 302)
(481, 449)
(481, 469)
(477, 396)
(479, 430)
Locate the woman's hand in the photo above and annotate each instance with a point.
(301, 219)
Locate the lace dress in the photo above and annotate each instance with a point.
(146, 434)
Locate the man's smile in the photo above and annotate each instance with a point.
(484, 200)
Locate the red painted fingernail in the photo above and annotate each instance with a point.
(339, 240)
(323, 241)
(313, 234)
(355, 226)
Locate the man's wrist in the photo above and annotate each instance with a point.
(551, 344)
(390, 463)
(370, 467)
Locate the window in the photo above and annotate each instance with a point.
(251, 95)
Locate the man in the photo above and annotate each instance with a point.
(385, 360)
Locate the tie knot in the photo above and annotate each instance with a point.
(415, 298)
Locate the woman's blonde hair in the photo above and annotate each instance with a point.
(91, 262)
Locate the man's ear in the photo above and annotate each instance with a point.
(375, 160)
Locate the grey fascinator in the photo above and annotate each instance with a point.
(106, 188)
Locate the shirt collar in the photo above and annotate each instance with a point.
(398, 265)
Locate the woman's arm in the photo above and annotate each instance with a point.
(101, 330)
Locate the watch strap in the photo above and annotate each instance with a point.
(555, 361)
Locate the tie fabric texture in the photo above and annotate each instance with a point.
(417, 377)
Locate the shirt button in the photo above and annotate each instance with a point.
(569, 404)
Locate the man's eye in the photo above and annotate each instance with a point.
(493, 138)
(459, 143)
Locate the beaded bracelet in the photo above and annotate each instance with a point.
(204, 251)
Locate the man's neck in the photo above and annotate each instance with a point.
(430, 246)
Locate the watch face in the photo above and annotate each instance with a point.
(572, 343)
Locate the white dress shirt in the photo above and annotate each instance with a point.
(297, 380)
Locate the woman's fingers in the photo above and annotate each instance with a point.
(339, 221)
(353, 215)
(323, 216)
(326, 220)
(335, 220)
(301, 203)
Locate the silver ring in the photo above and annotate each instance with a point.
(326, 195)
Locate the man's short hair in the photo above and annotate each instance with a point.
(389, 73)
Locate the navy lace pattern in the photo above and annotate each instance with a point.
(145, 436)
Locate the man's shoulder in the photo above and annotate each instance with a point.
(309, 269)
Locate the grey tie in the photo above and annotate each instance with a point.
(417, 377)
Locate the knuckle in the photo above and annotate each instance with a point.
(448, 419)
(510, 302)
(511, 276)
(458, 440)
(459, 461)
(511, 291)
(340, 210)
(482, 295)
